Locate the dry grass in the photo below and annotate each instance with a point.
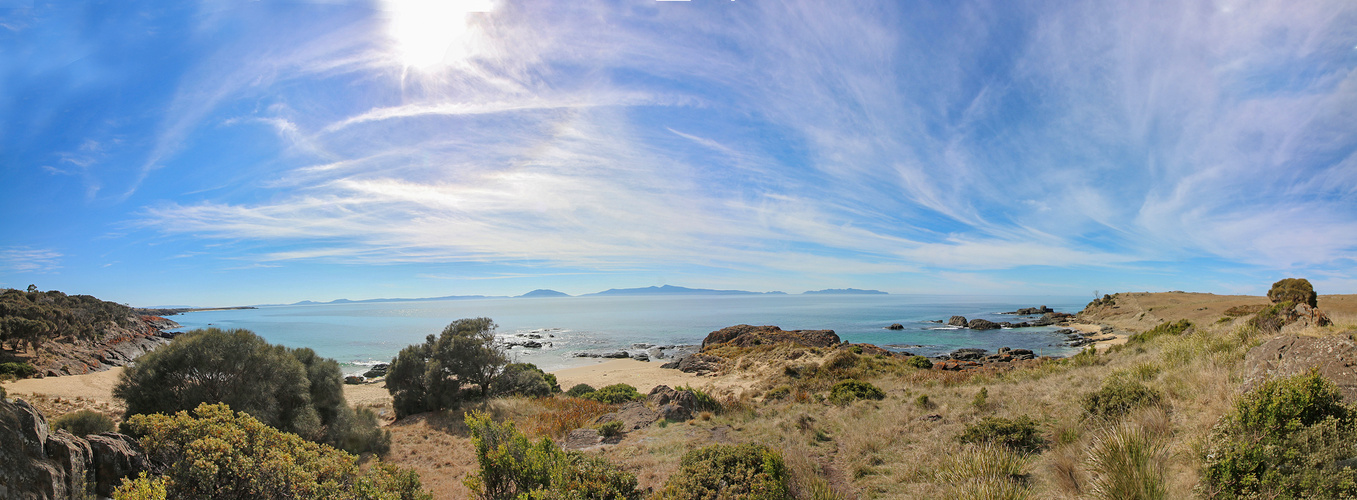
(895, 448)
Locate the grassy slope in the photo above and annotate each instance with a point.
(893, 449)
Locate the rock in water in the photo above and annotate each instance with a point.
(982, 324)
(896, 326)
(957, 321)
(746, 335)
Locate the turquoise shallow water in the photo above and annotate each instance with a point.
(359, 334)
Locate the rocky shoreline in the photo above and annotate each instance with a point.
(118, 346)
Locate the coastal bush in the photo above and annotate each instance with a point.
(83, 423)
(840, 361)
(1127, 462)
(1293, 290)
(142, 487)
(610, 428)
(429, 376)
(848, 391)
(1118, 396)
(580, 390)
(1271, 318)
(30, 318)
(746, 471)
(1021, 434)
(615, 394)
(218, 453)
(981, 399)
(524, 379)
(514, 467)
(919, 362)
(1166, 328)
(293, 390)
(16, 370)
(1290, 438)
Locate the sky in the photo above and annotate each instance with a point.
(226, 152)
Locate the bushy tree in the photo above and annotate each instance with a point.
(1293, 290)
(293, 390)
(429, 376)
(524, 379)
(219, 454)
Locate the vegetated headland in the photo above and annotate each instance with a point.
(1177, 395)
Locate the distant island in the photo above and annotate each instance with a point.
(844, 291)
(542, 292)
(675, 290)
(612, 292)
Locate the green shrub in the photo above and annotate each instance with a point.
(1166, 328)
(747, 471)
(1271, 318)
(981, 399)
(524, 379)
(848, 391)
(1288, 438)
(923, 402)
(610, 428)
(615, 394)
(293, 390)
(514, 467)
(17, 370)
(1293, 290)
(579, 390)
(919, 362)
(1021, 434)
(84, 423)
(217, 453)
(143, 487)
(779, 392)
(1119, 396)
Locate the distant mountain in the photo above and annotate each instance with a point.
(425, 299)
(676, 290)
(542, 292)
(844, 291)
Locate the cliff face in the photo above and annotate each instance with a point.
(39, 464)
(117, 346)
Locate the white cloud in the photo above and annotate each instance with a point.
(24, 259)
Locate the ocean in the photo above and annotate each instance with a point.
(360, 334)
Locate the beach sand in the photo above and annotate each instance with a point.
(643, 375)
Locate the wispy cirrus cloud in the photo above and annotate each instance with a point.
(24, 259)
(866, 137)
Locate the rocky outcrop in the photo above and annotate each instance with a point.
(982, 324)
(633, 415)
(39, 464)
(1031, 311)
(747, 335)
(957, 321)
(1335, 357)
(896, 326)
(700, 364)
(117, 346)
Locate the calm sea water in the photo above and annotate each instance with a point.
(361, 334)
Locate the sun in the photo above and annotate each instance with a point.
(426, 34)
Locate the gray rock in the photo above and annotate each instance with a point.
(982, 324)
(896, 326)
(1335, 357)
(958, 321)
(36, 463)
(641, 356)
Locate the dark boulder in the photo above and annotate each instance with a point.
(1335, 358)
(36, 463)
(968, 354)
(615, 355)
(896, 326)
(957, 321)
(982, 324)
(641, 356)
(746, 335)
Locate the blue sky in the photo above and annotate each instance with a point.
(225, 152)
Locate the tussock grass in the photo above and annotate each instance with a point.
(1127, 463)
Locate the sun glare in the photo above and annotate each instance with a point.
(430, 33)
